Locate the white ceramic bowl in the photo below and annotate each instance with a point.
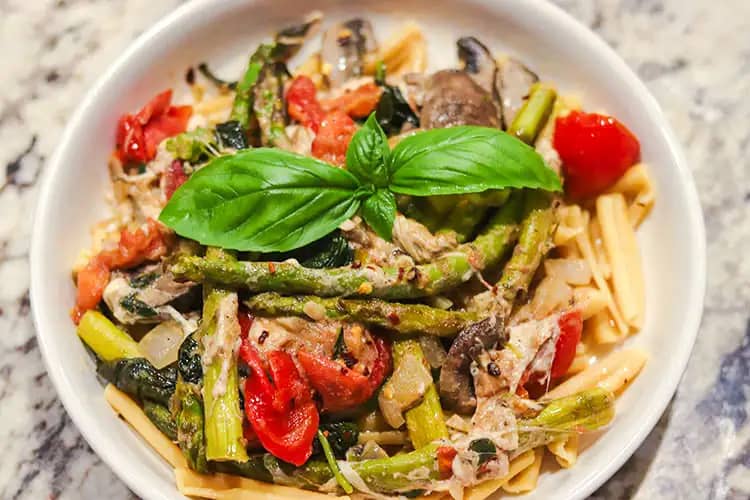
(555, 45)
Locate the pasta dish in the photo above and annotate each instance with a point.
(349, 274)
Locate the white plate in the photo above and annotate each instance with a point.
(555, 45)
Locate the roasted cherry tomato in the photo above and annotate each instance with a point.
(595, 151)
(571, 326)
(445, 456)
(139, 135)
(302, 104)
(343, 388)
(134, 247)
(336, 130)
(279, 405)
(357, 103)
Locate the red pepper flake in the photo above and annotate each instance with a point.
(394, 319)
(445, 456)
(400, 274)
(271, 268)
(356, 264)
(262, 337)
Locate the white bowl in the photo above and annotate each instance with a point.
(555, 45)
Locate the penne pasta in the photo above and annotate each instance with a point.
(133, 415)
(406, 52)
(565, 450)
(589, 300)
(487, 488)
(526, 480)
(638, 187)
(602, 329)
(622, 250)
(611, 373)
(584, 245)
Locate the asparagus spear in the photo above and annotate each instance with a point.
(533, 244)
(244, 92)
(470, 210)
(446, 272)
(328, 452)
(400, 318)
(105, 339)
(268, 104)
(161, 418)
(534, 113)
(223, 417)
(187, 410)
(425, 422)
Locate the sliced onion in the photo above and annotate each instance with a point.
(161, 344)
(404, 389)
(551, 294)
(433, 350)
(572, 271)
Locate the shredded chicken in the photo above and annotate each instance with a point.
(416, 240)
(377, 251)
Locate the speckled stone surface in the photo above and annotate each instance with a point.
(694, 56)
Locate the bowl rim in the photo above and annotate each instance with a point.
(101, 444)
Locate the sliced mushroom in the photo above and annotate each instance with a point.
(453, 98)
(513, 82)
(344, 48)
(290, 39)
(456, 388)
(478, 62)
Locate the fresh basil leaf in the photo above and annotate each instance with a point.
(368, 153)
(263, 200)
(467, 159)
(379, 211)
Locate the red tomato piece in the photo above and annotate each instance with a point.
(280, 409)
(357, 103)
(174, 177)
(139, 135)
(445, 456)
(571, 326)
(246, 322)
(340, 387)
(595, 150)
(336, 130)
(133, 248)
(174, 121)
(302, 104)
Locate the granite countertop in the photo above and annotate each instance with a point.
(694, 56)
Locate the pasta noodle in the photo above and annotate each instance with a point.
(611, 373)
(590, 300)
(406, 52)
(636, 184)
(584, 245)
(601, 328)
(526, 480)
(229, 487)
(133, 415)
(565, 450)
(487, 488)
(624, 257)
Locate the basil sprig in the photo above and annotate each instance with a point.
(271, 200)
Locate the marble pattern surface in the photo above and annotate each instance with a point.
(694, 55)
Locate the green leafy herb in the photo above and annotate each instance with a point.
(367, 155)
(271, 200)
(263, 200)
(330, 251)
(379, 211)
(143, 280)
(231, 135)
(134, 305)
(467, 159)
